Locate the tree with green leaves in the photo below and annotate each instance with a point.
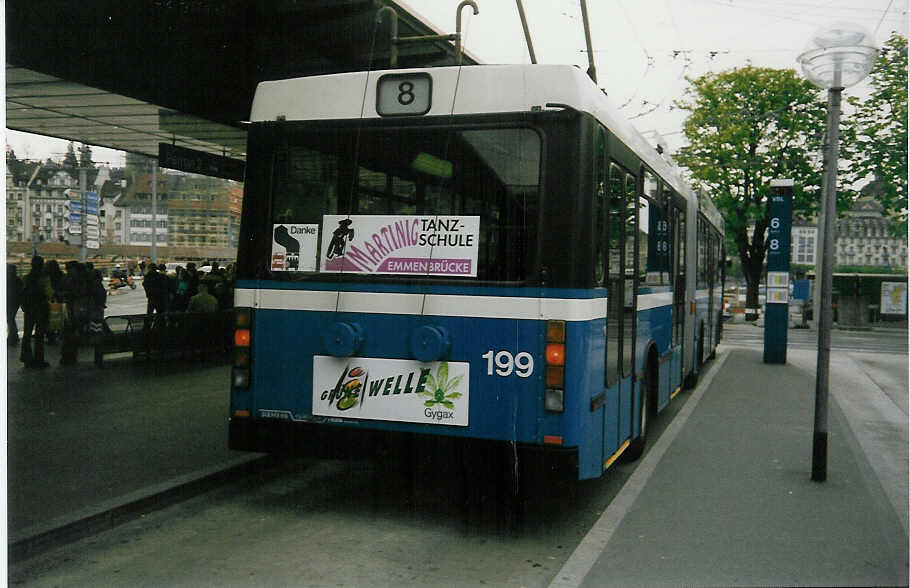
(85, 157)
(69, 160)
(746, 127)
(14, 166)
(878, 151)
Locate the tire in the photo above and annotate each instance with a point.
(692, 377)
(637, 446)
(691, 380)
(700, 356)
(647, 408)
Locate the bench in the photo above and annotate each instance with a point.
(186, 334)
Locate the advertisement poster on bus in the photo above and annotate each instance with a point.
(401, 245)
(432, 393)
(294, 247)
(894, 298)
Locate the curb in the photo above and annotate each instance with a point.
(72, 527)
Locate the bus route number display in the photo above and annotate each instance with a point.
(404, 94)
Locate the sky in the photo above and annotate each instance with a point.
(644, 49)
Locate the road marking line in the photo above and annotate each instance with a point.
(573, 572)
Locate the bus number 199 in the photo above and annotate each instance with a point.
(521, 364)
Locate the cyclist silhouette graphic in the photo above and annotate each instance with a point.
(337, 245)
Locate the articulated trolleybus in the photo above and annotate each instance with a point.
(480, 253)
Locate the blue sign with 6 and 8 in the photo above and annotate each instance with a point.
(777, 308)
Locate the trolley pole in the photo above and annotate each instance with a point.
(524, 27)
(592, 71)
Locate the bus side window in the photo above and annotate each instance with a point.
(679, 282)
(653, 234)
(600, 187)
(701, 259)
(630, 271)
(615, 209)
(649, 191)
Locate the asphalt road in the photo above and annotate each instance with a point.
(878, 340)
(126, 301)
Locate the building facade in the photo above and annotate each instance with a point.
(139, 219)
(193, 216)
(862, 238)
(190, 212)
(40, 201)
(37, 200)
(203, 211)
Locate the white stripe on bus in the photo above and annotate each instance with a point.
(505, 307)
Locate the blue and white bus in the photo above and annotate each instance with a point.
(485, 253)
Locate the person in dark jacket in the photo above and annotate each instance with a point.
(98, 296)
(156, 289)
(55, 274)
(203, 301)
(181, 290)
(70, 295)
(13, 299)
(36, 302)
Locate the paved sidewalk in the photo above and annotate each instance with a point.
(84, 441)
(724, 498)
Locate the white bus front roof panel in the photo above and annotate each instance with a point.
(320, 97)
(481, 89)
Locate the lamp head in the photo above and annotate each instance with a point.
(838, 56)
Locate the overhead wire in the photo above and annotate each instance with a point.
(795, 15)
(649, 59)
(882, 19)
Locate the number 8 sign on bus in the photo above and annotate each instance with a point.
(404, 94)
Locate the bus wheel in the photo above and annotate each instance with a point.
(647, 407)
(700, 357)
(692, 377)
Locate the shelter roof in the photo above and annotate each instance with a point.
(131, 75)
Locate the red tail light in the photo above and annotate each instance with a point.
(243, 335)
(555, 355)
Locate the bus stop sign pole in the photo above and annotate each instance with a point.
(777, 290)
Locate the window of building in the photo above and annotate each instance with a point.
(804, 246)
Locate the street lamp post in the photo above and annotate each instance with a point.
(837, 57)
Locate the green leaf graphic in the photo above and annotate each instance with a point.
(442, 374)
(453, 383)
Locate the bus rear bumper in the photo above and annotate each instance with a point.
(323, 441)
